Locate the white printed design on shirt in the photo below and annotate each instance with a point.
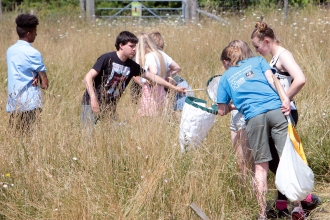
(239, 78)
(116, 80)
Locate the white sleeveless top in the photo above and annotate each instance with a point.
(284, 77)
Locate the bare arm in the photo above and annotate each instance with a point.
(159, 80)
(137, 80)
(273, 81)
(224, 109)
(174, 68)
(288, 64)
(43, 80)
(89, 79)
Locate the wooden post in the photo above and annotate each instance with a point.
(187, 10)
(194, 13)
(90, 10)
(82, 4)
(0, 9)
(211, 15)
(285, 9)
(198, 211)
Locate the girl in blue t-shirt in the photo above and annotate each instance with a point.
(238, 133)
(247, 82)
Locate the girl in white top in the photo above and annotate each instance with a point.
(292, 79)
(159, 63)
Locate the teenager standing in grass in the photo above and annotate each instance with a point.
(173, 76)
(174, 67)
(292, 79)
(110, 75)
(158, 63)
(26, 75)
(247, 83)
(238, 133)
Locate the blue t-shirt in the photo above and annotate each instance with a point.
(246, 85)
(23, 62)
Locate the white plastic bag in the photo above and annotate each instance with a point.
(196, 121)
(293, 178)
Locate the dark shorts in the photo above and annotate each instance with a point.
(259, 128)
(23, 121)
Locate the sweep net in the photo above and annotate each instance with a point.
(196, 121)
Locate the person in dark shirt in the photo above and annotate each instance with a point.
(110, 75)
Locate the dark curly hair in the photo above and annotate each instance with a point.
(25, 23)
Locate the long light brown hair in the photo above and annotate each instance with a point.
(147, 45)
(232, 54)
(246, 50)
(158, 38)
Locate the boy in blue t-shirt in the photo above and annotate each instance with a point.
(26, 75)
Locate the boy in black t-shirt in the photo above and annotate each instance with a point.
(110, 75)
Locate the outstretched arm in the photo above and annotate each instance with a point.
(159, 80)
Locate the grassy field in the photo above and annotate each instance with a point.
(135, 170)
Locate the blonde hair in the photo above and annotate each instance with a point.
(245, 49)
(261, 30)
(147, 45)
(158, 39)
(233, 54)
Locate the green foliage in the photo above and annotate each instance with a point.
(8, 5)
(222, 5)
(61, 6)
(45, 6)
(100, 7)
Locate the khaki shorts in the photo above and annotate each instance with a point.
(260, 128)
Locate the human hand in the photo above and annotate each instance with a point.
(172, 81)
(95, 105)
(181, 90)
(286, 108)
(35, 81)
(231, 107)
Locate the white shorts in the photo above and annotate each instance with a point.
(237, 121)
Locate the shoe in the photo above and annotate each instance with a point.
(271, 213)
(298, 213)
(278, 210)
(283, 213)
(310, 203)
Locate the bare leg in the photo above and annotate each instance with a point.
(242, 151)
(261, 186)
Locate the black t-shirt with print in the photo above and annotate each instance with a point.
(114, 75)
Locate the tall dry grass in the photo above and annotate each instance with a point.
(135, 170)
